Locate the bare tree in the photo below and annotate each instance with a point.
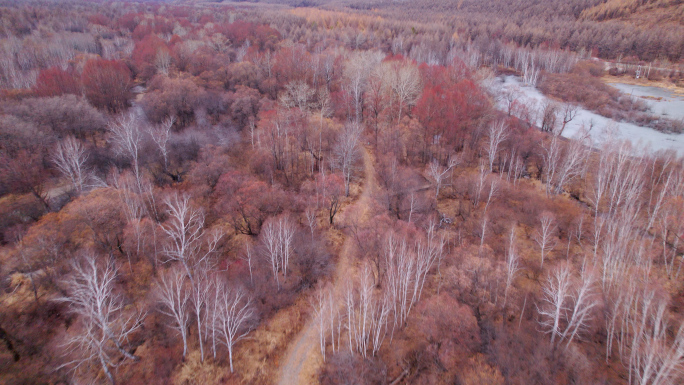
(185, 229)
(552, 159)
(512, 264)
(200, 291)
(160, 134)
(493, 191)
(248, 257)
(601, 178)
(325, 109)
(406, 269)
(483, 232)
(438, 172)
(163, 61)
(572, 165)
(325, 312)
(654, 358)
(426, 255)
(405, 85)
(583, 303)
(479, 184)
(320, 315)
(399, 275)
(234, 318)
(347, 153)
(568, 305)
(126, 136)
(510, 97)
(555, 294)
(367, 314)
(105, 323)
(276, 236)
(298, 94)
(133, 208)
(544, 236)
(569, 112)
(665, 180)
(531, 74)
(515, 167)
(311, 220)
(269, 240)
(498, 132)
(70, 157)
(355, 74)
(549, 114)
(174, 297)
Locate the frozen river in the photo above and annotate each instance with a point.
(603, 128)
(668, 105)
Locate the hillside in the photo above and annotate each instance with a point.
(615, 29)
(643, 13)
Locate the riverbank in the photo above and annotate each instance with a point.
(599, 128)
(624, 79)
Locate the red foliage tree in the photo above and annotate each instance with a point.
(99, 19)
(145, 54)
(128, 21)
(328, 191)
(172, 97)
(248, 201)
(54, 82)
(107, 84)
(25, 172)
(244, 104)
(292, 63)
(448, 110)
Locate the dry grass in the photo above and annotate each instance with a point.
(260, 356)
(195, 372)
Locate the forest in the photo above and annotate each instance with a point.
(325, 193)
(625, 30)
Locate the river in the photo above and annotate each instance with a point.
(602, 128)
(666, 103)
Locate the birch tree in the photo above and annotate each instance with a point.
(583, 302)
(555, 294)
(320, 313)
(512, 264)
(405, 85)
(105, 324)
(438, 173)
(276, 236)
(234, 318)
(568, 304)
(367, 315)
(174, 297)
(70, 157)
(200, 291)
(126, 136)
(347, 152)
(497, 133)
(160, 134)
(355, 74)
(544, 235)
(188, 243)
(654, 357)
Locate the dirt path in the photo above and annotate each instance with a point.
(303, 357)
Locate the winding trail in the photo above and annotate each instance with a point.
(303, 357)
